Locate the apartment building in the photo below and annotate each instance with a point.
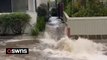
(20, 5)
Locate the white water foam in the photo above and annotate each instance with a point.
(68, 49)
(81, 49)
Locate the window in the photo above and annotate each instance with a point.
(19, 5)
(5, 6)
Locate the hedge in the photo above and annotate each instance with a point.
(41, 19)
(85, 9)
(13, 23)
(40, 26)
(42, 10)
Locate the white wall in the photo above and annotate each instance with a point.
(31, 23)
(31, 5)
(32, 12)
(41, 1)
(87, 25)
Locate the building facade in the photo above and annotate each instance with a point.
(20, 5)
(27, 6)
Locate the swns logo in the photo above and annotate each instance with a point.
(17, 51)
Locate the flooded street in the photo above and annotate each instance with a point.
(31, 44)
(54, 45)
(36, 50)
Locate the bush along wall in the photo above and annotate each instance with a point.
(41, 20)
(13, 23)
(84, 8)
(40, 26)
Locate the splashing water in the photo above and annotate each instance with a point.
(68, 49)
(81, 49)
(64, 48)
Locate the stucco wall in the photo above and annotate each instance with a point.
(31, 23)
(87, 25)
(32, 12)
(38, 2)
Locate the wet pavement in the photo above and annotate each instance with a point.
(33, 45)
(24, 43)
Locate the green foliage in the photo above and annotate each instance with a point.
(66, 2)
(42, 10)
(40, 26)
(35, 31)
(14, 22)
(85, 9)
(83, 12)
(19, 21)
(71, 9)
(54, 12)
(41, 23)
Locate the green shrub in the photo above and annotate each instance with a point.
(54, 12)
(85, 9)
(66, 2)
(35, 31)
(83, 12)
(71, 9)
(42, 10)
(41, 23)
(40, 26)
(14, 22)
(5, 20)
(19, 22)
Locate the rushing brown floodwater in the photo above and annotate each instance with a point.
(46, 49)
(55, 46)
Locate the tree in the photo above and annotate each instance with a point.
(42, 10)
